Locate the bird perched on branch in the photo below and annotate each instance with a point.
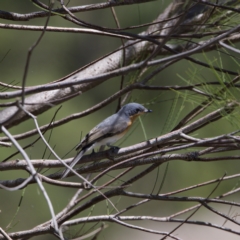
(109, 130)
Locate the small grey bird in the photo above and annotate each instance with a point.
(109, 130)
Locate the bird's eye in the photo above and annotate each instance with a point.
(138, 110)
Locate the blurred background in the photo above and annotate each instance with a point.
(59, 54)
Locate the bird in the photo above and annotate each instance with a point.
(108, 131)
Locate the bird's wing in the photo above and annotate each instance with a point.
(107, 128)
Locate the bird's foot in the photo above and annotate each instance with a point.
(114, 149)
(112, 152)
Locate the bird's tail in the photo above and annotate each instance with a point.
(73, 163)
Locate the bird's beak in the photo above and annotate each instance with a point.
(148, 111)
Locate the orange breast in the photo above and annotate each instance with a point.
(133, 118)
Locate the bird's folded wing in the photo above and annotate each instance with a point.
(108, 128)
